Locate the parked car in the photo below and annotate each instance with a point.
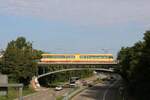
(58, 88)
(72, 85)
(66, 85)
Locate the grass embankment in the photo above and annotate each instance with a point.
(119, 97)
(13, 93)
(68, 94)
(59, 98)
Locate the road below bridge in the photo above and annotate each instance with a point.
(49, 94)
(101, 91)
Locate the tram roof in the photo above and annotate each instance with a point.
(47, 54)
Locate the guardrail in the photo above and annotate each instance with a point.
(73, 92)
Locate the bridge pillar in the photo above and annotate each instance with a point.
(43, 70)
(37, 71)
(35, 83)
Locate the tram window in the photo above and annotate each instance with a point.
(60, 57)
(111, 57)
(69, 57)
(55, 57)
(91, 57)
(83, 57)
(44, 56)
(96, 57)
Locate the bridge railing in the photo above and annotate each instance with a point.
(78, 62)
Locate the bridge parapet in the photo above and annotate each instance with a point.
(44, 67)
(84, 63)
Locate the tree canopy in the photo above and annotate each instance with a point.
(18, 62)
(135, 67)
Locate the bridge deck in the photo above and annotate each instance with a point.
(90, 63)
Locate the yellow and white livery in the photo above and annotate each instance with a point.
(77, 58)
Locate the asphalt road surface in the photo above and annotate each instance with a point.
(49, 94)
(101, 91)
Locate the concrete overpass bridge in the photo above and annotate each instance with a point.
(70, 66)
(42, 66)
(72, 69)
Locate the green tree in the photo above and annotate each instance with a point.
(37, 54)
(135, 67)
(18, 61)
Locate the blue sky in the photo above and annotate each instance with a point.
(68, 26)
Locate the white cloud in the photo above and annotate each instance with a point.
(81, 11)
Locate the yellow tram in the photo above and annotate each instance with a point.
(77, 58)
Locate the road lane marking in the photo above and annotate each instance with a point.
(106, 91)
